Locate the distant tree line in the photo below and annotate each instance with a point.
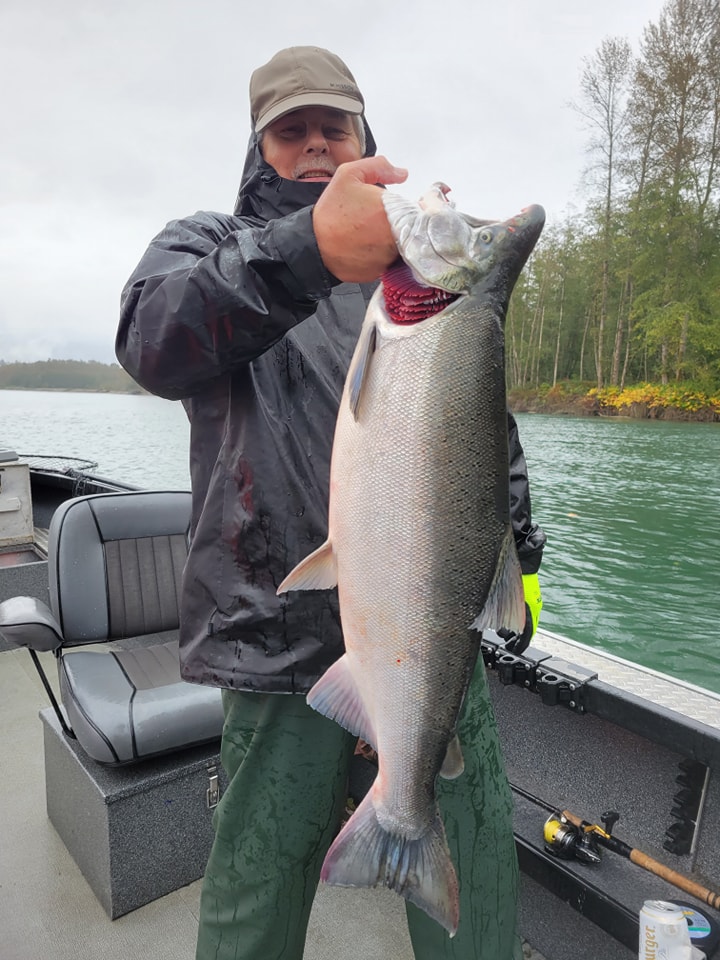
(67, 375)
(629, 291)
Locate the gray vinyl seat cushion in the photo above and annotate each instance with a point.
(132, 703)
(115, 565)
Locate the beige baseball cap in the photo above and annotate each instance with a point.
(302, 77)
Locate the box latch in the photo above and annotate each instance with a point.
(213, 790)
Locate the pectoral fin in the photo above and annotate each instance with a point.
(318, 571)
(360, 366)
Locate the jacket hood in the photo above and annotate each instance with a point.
(265, 195)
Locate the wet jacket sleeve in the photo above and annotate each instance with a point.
(211, 293)
(529, 537)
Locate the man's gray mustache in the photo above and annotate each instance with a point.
(322, 165)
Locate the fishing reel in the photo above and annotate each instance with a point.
(569, 841)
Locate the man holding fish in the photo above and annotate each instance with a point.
(251, 320)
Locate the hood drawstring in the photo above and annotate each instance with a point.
(270, 178)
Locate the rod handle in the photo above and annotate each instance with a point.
(676, 879)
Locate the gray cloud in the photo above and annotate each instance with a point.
(120, 117)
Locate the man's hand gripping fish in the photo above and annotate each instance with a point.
(420, 543)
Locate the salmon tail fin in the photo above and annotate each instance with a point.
(335, 695)
(318, 571)
(421, 870)
(505, 604)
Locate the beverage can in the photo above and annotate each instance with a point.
(664, 933)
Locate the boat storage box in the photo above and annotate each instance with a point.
(136, 832)
(16, 517)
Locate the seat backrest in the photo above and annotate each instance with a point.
(115, 563)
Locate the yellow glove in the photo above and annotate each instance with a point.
(533, 601)
(518, 642)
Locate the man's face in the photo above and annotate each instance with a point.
(310, 144)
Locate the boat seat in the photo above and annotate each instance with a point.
(115, 564)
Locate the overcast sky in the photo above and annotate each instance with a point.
(119, 115)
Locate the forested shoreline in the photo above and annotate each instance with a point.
(67, 375)
(644, 401)
(627, 292)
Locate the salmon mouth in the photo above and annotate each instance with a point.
(407, 301)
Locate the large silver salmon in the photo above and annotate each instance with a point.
(419, 537)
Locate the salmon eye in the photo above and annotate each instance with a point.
(486, 236)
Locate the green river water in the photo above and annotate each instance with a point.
(631, 509)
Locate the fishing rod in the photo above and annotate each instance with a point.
(569, 837)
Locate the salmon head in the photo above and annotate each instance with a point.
(452, 253)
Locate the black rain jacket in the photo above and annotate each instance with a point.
(237, 317)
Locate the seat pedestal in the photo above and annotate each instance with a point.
(136, 832)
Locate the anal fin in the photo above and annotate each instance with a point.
(335, 695)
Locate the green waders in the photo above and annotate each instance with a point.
(287, 768)
(477, 812)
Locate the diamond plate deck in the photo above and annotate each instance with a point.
(682, 698)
